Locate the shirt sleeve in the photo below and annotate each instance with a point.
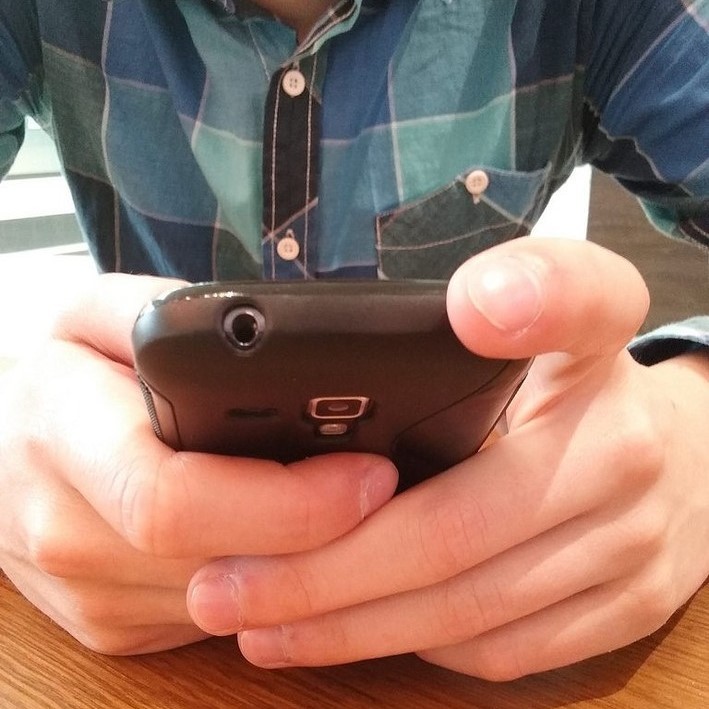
(647, 123)
(647, 107)
(20, 75)
(672, 340)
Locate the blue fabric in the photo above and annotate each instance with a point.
(157, 110)
(161, 104)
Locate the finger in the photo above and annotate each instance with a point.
(102, 315)
(138, 639)
(524, 580)
(181, 504)
(483, 507)
(86, 608)
(597, 621)
(184, 504)
(63, 537)
(532, 296)
(169, 503)
(148, 639)
(110, 627)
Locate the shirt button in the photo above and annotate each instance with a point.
(476, 183)
(288, 248)
(293, 83)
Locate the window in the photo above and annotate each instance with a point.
(42, 255)
(36, 210)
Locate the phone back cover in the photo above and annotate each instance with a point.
(430, 401)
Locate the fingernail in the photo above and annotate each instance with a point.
(214, 605)
(265, 647)
(508, 292)
(377, 487)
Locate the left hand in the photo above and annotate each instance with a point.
(580, 531)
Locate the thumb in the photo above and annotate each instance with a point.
(533, 296)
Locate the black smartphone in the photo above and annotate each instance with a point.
(287, 370)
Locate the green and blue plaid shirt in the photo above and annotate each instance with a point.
(200, 140)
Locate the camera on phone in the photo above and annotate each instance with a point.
(335, 415)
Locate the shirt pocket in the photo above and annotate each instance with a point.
(431, 236)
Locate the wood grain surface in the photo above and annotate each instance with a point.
(41, 667)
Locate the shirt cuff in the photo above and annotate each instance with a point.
(671, 340)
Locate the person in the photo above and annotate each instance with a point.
(217, 139)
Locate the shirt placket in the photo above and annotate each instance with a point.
(291, 157)
(290, 172)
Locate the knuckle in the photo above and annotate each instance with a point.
(456, 613)
(303, 527)
(496, 660)
(644, 537)
(93, 612)
(451, 535)
(51, 547)
(47, 555)
(306, 592)
(308, 512)
(93, 618)
(466, 610)
(150, 512)
(26, 443)
(105, 641)
(639, 448)
(651, 601)
(312, 509)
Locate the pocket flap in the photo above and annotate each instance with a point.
(432, 236)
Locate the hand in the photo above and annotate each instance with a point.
(581, 530)
(102, 526)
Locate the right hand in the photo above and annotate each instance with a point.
(102, 525)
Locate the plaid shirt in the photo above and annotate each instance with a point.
(399, 138)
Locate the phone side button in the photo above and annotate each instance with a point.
(162, 417)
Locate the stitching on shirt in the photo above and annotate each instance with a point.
(512, 61)
(641, 61)
(396, 154)
(198, 121)
(693, 238)
(258, 51)
(446, 242)
(292, 218)
(695, 225)
(337, 14)
(104, 140)
(273, 176)
(215, 239)
(308, 161)
(148, 88)
(196, 129)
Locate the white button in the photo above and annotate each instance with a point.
(476, 183)
(288, 248)
(293, 83)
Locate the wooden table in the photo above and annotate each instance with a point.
(41, 667)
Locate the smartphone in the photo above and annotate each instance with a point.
(287, 370)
